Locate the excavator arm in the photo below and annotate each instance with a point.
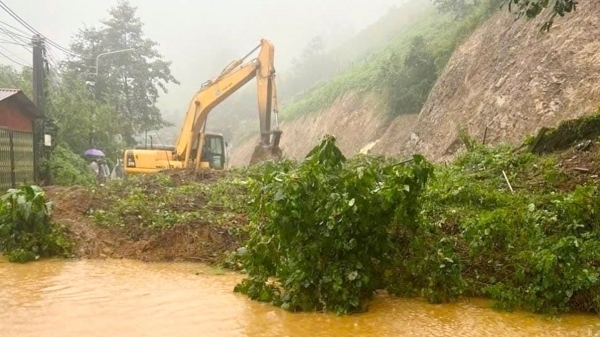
(215, 91)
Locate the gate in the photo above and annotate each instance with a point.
(16, 159)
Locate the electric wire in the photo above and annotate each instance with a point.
(33, 30)
(16, 62)
(18, 40)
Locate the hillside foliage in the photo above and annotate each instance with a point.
(392, 70)
(327, 232)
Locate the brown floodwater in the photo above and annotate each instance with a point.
(131, 298)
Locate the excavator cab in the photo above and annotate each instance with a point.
(214, 151)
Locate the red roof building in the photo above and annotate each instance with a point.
(17, 153)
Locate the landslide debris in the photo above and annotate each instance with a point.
(173, 215)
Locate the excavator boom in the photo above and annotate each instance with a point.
(215, 91)
(194, 147)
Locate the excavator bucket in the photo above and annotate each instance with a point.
(270, 152)
(264, 153)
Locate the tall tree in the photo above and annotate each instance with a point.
(129, 81)
(12, 78)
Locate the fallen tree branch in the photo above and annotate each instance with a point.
(508, 182)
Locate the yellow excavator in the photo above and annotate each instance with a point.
(196, 148)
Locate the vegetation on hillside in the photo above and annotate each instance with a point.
(318, 62)
(405, 84)
(529, 9)
(403, 80)
(497, 223)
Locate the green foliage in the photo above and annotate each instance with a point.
(388, 71)
(26, 230)
(534, 249)
(81, 121)
(129, 81)
(566, 134)
(157, 202)
(11, 78)
(459, 8)
(325, 229)
(408, 83)
(529, 9)
(328, 231)
(69, 168)
(532, 8)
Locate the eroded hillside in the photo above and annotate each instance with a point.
(511, 79)
(356, 120)
(505, 81)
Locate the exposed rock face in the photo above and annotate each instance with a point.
(511, 79)
(355, 121)
(506, 77)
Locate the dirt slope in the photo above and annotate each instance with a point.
(193, 240)
(511, 79)
(356, 121)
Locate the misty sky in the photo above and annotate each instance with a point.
(195, 34)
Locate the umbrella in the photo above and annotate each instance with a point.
(94, 152)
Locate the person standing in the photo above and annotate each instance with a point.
(104, 171)
(117, 172)
(95, 168)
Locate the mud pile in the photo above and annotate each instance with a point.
(187, 239)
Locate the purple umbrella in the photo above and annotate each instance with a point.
(94, 152)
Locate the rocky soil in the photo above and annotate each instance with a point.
(507, 81)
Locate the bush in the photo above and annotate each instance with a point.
(535, 249)
(69, 168)
(327, 232)
(26, 231)
(325, 228)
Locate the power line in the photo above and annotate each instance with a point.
(33, 30)
(19, 63)
(13, 43)
(11, 53)
(23, 41)
(13, 27)
(19, 33)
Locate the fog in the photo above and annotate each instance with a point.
(201, 37)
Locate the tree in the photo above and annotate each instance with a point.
(532, 8)
(128, 81)
(459, 8)
(78, 116)
(312, 65)
(528, 8)
(409, 81)
(11, 78)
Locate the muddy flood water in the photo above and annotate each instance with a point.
(130, 298)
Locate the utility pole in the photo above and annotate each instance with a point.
(97, 80)
(38, 72)
(39, 98)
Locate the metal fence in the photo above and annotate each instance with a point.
(16, 158)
